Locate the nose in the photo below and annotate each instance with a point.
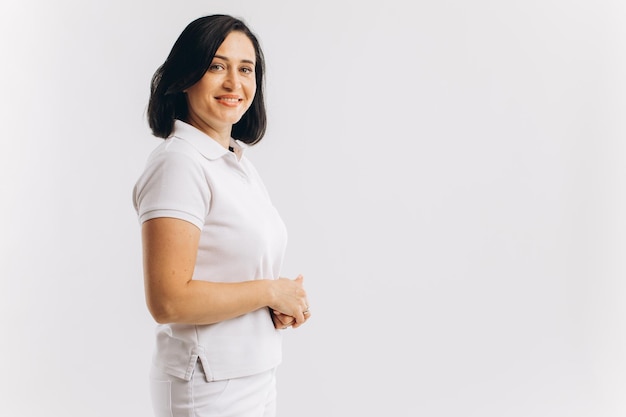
(232, 80)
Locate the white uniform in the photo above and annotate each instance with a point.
(192, 177)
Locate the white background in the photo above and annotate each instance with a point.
(451, 173)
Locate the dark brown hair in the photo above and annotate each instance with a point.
(187, 63)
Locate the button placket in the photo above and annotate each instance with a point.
(241, 173)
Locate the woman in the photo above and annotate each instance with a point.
(213, 243)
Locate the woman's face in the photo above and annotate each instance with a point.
(226, 90)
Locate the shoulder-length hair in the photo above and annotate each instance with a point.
(187, 63)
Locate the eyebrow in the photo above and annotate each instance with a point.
(226, 59)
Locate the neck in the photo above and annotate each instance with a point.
(220, 136)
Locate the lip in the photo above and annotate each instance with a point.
(229, 100)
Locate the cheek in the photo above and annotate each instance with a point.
(192, 102)
(200, 91)
(196, 99)
(251, 92)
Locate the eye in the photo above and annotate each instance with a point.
(216, 67)
(247, 70)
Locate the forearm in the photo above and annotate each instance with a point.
(170, 248)
(202, 302)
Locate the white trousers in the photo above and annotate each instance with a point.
(251, 396)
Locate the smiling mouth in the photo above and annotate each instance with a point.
(231, 100)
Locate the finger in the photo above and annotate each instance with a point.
(300, 317)
(284, 319)
(277, 323)
(296, 325)
(279, 314)
(287, 321)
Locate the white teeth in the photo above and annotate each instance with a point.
(232, 100)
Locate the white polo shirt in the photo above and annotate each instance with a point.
(192, 177)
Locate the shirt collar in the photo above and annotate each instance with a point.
(206, 145)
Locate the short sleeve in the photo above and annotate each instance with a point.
(173, 184)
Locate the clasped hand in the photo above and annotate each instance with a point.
(292, 307)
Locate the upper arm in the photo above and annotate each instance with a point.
(170, 248)
(173, 184)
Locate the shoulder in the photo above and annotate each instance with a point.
(174, 149)
(173, 184)
(173, 165)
